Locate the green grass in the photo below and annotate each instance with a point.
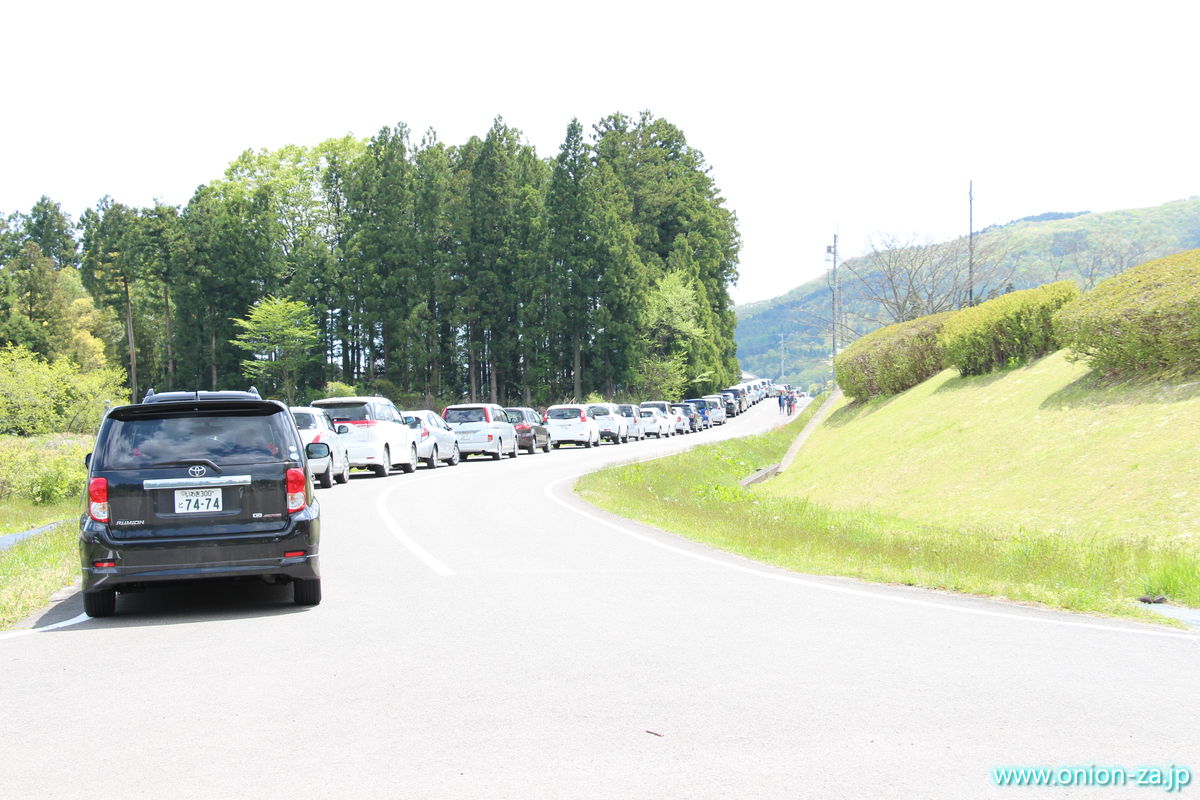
(697, 495)
(17, 514)
(32, 570)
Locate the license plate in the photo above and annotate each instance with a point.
(191, 501)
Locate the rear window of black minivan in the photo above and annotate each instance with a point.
(147, 441)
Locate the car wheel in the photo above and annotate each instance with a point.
(382, 470)
(499, 450)
(556, 445)
(546, 446)
(455, 457)
(326, 477)
(588, 443)
(100, 604)
(344, 477)
(307, 591)
(533, 448)
(516, 451)
(411, 465)
(432, 461)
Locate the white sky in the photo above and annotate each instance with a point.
(855, 117)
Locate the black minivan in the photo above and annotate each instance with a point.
(190, 485)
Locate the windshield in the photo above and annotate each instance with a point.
(565, 413)
(221, 439)
(458, 415)
(348, 411)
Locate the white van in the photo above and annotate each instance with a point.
(377, 437)
(572, 423)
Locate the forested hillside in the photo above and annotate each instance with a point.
(905, 278)
(476, 270)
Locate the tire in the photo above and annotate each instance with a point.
(432, 461)
(556, 445)
(516, 451)
(411, 465)
(455, 457)
(100, 604)
(307, 592)
(344, 477)
(382, 470)
(588, 443)
(533, 448)
(499, 450)
(546, 446)
(326, 477)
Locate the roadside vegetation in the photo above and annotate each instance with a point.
(33, 569)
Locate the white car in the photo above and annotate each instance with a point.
(613, 426)
(572, 423)
(633, 420)
(663, 408)
(482, 428)
(655, 423)
(436, 441)
(716, 409)
(683, 424)
(376, 434)
(314, 425)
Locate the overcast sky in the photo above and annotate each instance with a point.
(856, 117)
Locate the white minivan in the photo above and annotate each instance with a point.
(378, 438)
(572, 423)
(482, 428)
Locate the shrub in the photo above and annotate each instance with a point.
(43, 397)
(42, 470)
(1012, 329)
(1145, 320)
(892, 359)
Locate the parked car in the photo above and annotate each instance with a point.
(633, 420)
(655, 423)
(703, 421)
(661, 405)
(482, 428)
(315, 425)
(436, 441)
(199, 485)
(376, 434)
(613, 426)
(717, 410)
(532, 433)
(572, 423)
(686, 417)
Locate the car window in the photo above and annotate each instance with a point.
(598, 411)
(349, 411)
(458, 415)
(305, 421)
(143, 442)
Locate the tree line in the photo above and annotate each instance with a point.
(477, 271)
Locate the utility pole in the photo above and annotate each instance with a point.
(831, 253)
(970, 243)
(782, 350)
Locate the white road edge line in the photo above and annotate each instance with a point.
(55, 626)
(800, 581)
(398, 532)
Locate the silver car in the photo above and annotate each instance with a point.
(633, 421)
(436, 441)
(315, 425)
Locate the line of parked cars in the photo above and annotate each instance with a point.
(188, 485)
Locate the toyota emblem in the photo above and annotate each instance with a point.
(196, 471)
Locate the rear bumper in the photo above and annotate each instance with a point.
(368, 454)
(229, 555)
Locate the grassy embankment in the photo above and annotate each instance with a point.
(41, 478)
(1037, 484)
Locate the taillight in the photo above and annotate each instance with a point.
(424, 434)
(316, 438)
(98, 499)
(521, 426)
(296, 496)
(363, 423)
(582, 417)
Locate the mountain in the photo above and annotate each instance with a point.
(1083, 246)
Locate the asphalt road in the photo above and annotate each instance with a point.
(484, 634)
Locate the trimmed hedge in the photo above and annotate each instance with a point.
(892, 359)
(1012, 329)
(1145, 320)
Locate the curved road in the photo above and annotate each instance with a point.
(484, 634)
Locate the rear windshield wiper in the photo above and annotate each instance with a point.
(187, 462)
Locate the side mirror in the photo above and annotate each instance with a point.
(343, 428)
(317, 450)
(87, 460)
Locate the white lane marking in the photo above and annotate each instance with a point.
(398, 532)
(872, 595)
(55, 626)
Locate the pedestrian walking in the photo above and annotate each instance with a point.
(782, 401)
